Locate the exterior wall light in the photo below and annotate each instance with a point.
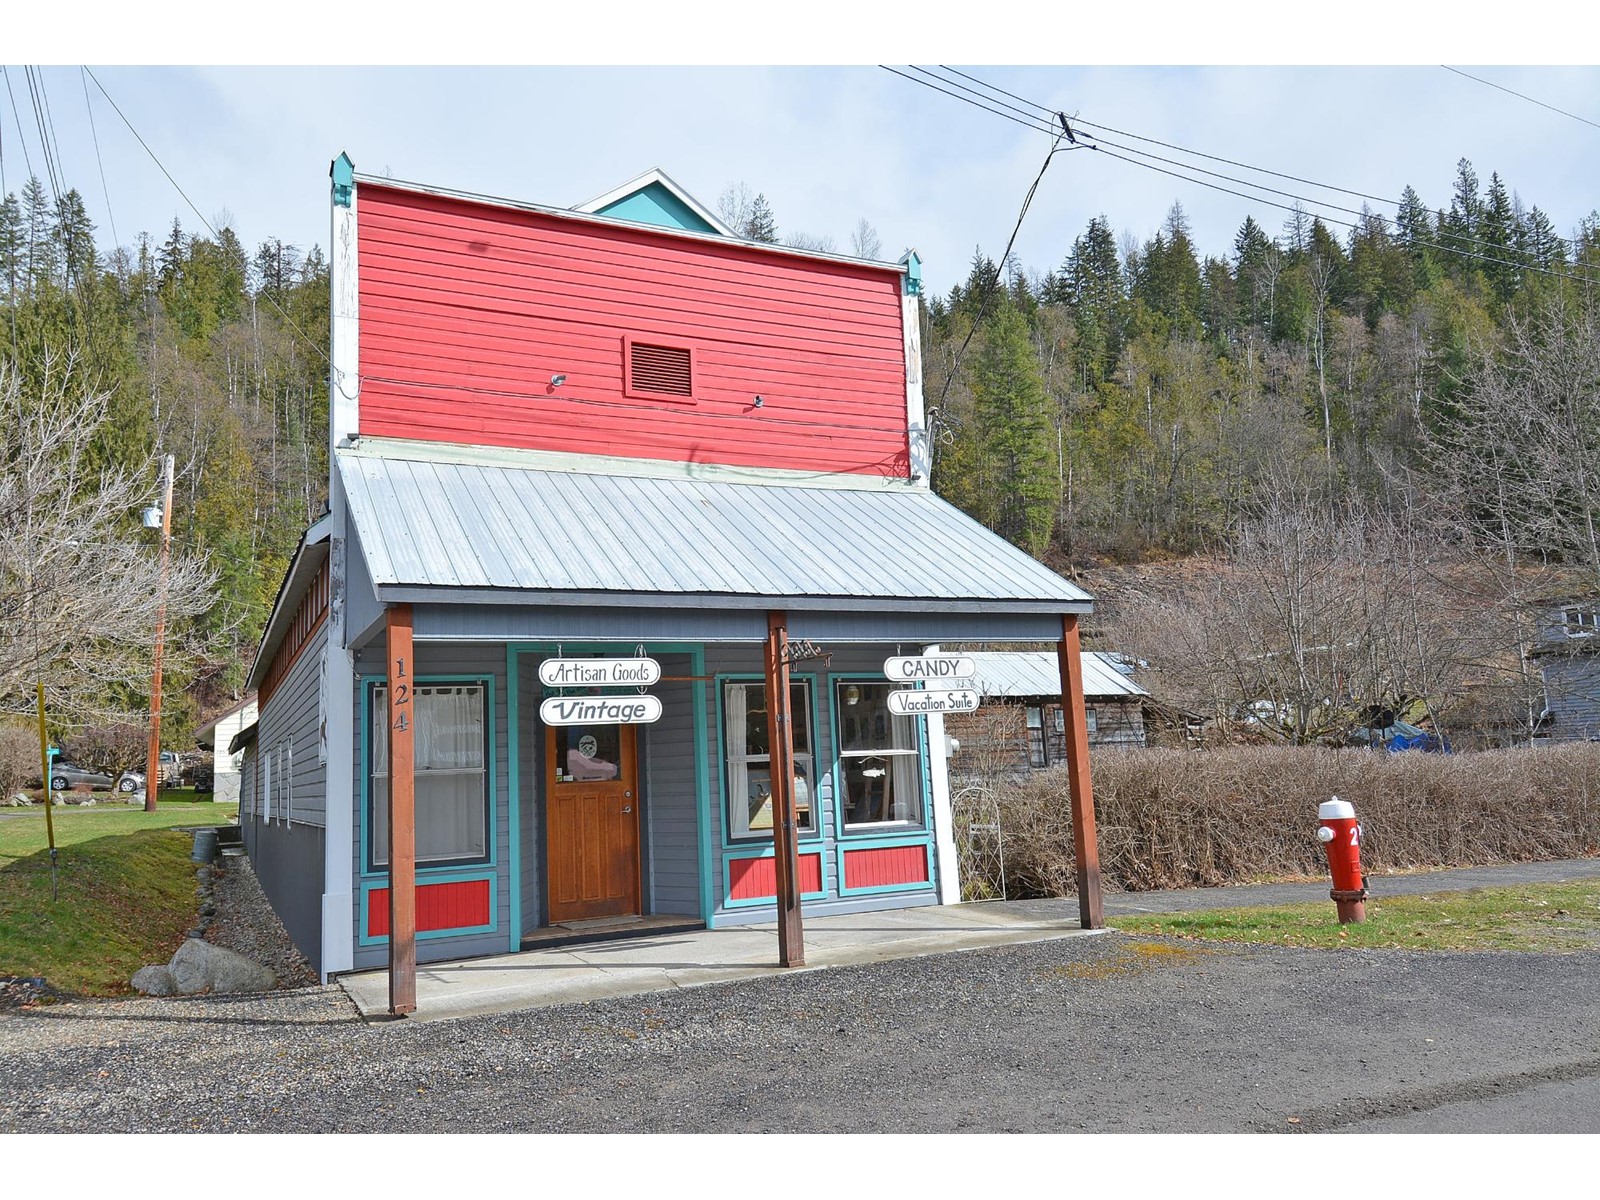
(557, 380)
(852, 694)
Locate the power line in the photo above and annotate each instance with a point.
(99, 162)
(1315, 211)
(1520, 96)
(1185, 150)
(964, 100)
(1249, 183)
(16, 116)
(290, 320)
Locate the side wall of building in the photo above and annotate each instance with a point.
(283, 789)
(1572, 692)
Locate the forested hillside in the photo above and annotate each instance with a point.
(1419, 393)
(209, 352)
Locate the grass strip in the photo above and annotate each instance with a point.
(126, 895)
(1543, 918)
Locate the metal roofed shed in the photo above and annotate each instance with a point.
(1036, 673)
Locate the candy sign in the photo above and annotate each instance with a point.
(931, 669)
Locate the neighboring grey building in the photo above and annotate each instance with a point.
(1568, 654)
(1030, 681)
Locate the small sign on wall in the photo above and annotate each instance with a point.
(919, 703)
(600, 710)
(930, 669)
(599, 672)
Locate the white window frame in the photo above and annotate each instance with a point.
(378, 768)
(736, 808)
(913, 753)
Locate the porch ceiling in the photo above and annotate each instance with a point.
(501, 533)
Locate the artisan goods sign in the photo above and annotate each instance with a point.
(920, 703)
(599, 672)
(931, 670)
(600, 710)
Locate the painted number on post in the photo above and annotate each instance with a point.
(402, 696)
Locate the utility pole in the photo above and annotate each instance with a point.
(152, 774)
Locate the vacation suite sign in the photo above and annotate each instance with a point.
(944, 679)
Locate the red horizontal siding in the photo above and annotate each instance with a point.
(463, 905)
(468, 309)
(757, 878)
(885, 866)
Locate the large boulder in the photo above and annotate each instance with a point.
(199, 965)
(155, 981)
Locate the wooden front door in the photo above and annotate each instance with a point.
(592, 784)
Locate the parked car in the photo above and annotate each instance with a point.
(130, 781)
(64, 775)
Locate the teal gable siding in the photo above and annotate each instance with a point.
(654, 204)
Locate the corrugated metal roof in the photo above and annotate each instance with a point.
(567, 535)
(1037, 673)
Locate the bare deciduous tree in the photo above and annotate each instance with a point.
(80, 586)
(864, 240)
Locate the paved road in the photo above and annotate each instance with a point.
(1082, 1034)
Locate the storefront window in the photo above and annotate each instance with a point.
(744, 707)
(452, 799)
(878, 758)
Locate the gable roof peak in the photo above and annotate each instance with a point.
(655, 177)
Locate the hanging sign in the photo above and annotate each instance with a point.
(600, 710)
(915, 703)
(930, 669)
(599, 672)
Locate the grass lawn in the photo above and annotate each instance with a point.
(1551, 918)
(126, 892)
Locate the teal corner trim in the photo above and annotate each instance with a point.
(913, 280)
(702, 771)
(368, 683)
(925, 844)
(343, 173)
(513, 804)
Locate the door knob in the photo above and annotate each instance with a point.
(627, 808)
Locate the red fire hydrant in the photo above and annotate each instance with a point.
(1340, 835)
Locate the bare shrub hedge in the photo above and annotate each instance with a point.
(1174, 818)
(19, 757)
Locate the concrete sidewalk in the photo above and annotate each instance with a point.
(573, 974)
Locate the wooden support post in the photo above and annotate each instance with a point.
(402, 816)
(780, 741)
(1091, 910)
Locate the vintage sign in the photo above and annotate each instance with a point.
(931, 669)
(912, 703)
(600, 710)
(599, 672)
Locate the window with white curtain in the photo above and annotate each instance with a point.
(879, 758)
(744, 711)
(451, 769)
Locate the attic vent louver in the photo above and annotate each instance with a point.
(660, 370)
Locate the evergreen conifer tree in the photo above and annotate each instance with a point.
(761, 227)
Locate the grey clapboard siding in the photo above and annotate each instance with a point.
(290, 719)
(451, 661)
(671, 796)
(1572, 691)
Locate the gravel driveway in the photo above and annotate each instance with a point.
(1097, 1034)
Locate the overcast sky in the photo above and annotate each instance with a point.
(827, 145)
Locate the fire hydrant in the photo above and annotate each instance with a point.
(1340, 835)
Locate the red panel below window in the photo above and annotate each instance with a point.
(885, 866)
(757, 878)
(463, 905)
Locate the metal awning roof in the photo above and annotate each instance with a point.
(1038, 673)
(442, 528)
